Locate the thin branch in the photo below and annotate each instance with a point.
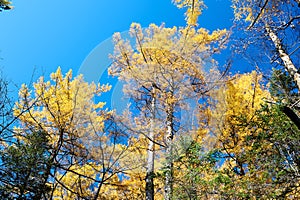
(258, 16)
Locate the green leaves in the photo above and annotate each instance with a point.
(25, 168)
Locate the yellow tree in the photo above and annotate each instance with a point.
(236, 110)
(84, 153)
(162, 70)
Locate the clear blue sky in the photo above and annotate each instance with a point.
(44, 34)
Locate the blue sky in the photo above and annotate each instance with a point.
(38, 36)
(43, 35)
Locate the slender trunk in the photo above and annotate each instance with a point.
(288, 64)
(169, 153)
(150, 151)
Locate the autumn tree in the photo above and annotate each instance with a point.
(164, 69)
(84, 149)
(273, 27)
(237, 103)
(255, 140)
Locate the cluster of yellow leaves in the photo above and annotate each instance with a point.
(168, 57)
(242, 10)
(62, 105)
(236, 106)
(82, 182)
(239, 98)
(131, 184)
(133, 187)
(294, 193)
(127, 181)
(64, 108)
(194, 9)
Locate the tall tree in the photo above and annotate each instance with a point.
(256, 140)
(237, 103)
(167, 66)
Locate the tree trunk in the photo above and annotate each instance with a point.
(169, 153)
(150, 151)
(288, 64)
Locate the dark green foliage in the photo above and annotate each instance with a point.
(283, 87)
(280, 161)
(25, 168)
(196, 163)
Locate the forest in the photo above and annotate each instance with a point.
(193, 129)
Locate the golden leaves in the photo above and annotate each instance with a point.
(237, 102)
(194, 10)
(61, 103)
(164, 56)
(233, 106)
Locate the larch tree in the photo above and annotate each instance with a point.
(84, 149)
(164, 70)
(257, 143)
(236, 105)
(274, 25)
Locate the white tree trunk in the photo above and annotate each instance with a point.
(169, 154)
(150, 151)
(288, 64)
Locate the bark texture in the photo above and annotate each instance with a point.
(288, 64)
(150, 151)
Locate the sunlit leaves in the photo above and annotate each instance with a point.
(237, 103)
(163, 55)
(194, 9)
(64, 109)
(166, 71)
(61, 105)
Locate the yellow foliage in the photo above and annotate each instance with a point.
(170, 65)
(237, 102)
(64, 108)
(194, 10)
(249, 10)
(165, 54)
(61, 105)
